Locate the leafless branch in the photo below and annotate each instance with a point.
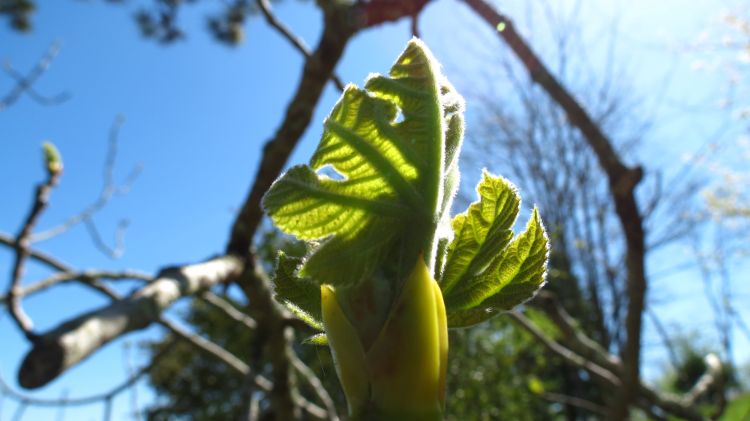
(622, 183)
(91, 399)
(577, 340)
(20, 410)
(253, 408)
(377, 12)
(39, 256)
(317, 70)
(214, 350)
(21, 246)
(600, 373)
(25, 84)
(574, 401)
(109, 189)
(233, 362)
(610, 376)
(114, 252)
(317, 387)
(129, 368)
(286, 32)
(662, 331)
(88, 277)
(228, 309)
(271, 321)
(66, 345)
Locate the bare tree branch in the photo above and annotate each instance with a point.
(265, 8)
(668, 343)
(88, 277)
(109, 189)
(317, 387)
(214, 350)
(233, 362)
(25, 84)
(69, 343)
(228, 309)
(707, 380)
(622, 183)
(608, 376)
(600, 373)
(318, 68)
(576, 340)
(21, 246)
(41, 257)
(276, 336)
(377, 12)
(88, 400)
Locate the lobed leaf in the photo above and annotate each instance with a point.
(511, 279)
(481, 232)
(390, 189)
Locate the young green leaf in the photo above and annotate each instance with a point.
(511, 279)
(482, 232)
(301, 296)
(391, 191)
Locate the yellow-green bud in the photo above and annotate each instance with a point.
(52, 159)
(402, 375)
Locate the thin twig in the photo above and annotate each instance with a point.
(85, 277)
(240, 367)
(127, 359)
(599, 372)
(217, 352)
(668, 343)
(109, 189)
(609, 376)
(25, 84)
(337, 30)
(39, 256)
(277, 337)
(230, 310)
(317, 387)
(706, 381)
(265, 8)
(577, 402)
(21, 246)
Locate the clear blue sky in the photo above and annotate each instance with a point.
(198, 114)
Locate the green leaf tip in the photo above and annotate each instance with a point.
(52, 158)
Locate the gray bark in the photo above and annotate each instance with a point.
(74, 340)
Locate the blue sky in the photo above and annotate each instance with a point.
(197, 114)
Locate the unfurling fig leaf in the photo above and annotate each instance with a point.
(391, 188)
(511, 278)
(387, 270)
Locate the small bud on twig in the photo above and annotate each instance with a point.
(52, 159)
